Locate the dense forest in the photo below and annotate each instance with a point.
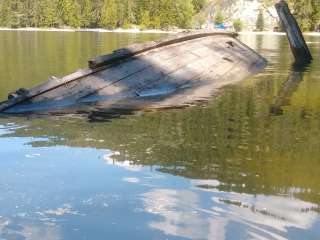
(99, 13)
(149, 14)
(307, 13)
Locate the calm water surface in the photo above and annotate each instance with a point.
(246, 165)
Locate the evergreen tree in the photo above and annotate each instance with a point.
(109, 14)
(260, 22)
(316, 16)
(96, 13)
(48, 15)
(69, 12)
(124, 13)
(86, 9)
(18, 14)
(129, 12)
(199, 4)
(237, 25)
(30, 9)
(218, 19)
(306, 12)
(167, 12)
(184, 13)
(5, 13)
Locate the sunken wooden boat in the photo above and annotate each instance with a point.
(182, 69)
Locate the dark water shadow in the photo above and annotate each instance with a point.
(288, 88)
(107, 116)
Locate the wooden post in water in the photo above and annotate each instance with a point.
(298, 45)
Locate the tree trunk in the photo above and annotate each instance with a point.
(298, 45)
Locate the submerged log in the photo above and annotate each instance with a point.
(298, 45)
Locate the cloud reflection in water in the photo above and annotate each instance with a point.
(229, 215)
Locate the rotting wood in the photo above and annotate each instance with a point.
(174, 68)
(125, 53)
(101, 63)
(298, 45)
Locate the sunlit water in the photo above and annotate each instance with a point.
(245, 165)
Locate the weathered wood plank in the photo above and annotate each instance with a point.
(184, 66)
(128, 52)
(157, 71)
(188, 64)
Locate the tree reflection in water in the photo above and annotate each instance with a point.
(229, 169)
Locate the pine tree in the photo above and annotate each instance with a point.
(315, 16)
(167, 13)
(199, 4)
(69, 11)
(218, 19)
(96, 13)
(145, 19)
(18, 13)
(184, 13)
(237, 25)
(124, 13)
(5, 13)
(260, 22)
(306, 12)
(30, 9)
(86, 9)
(48, 15)
(129, 13)
(109, 14)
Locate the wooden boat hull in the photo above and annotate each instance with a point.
(172, 72)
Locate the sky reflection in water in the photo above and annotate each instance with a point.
(83, 193)
(232, 169)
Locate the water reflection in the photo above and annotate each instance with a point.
(225, 170)
(229, 215)
(289, 88)
(29, 58)
(26, 230)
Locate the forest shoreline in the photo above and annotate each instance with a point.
(134, 30)
(277, 33)
(101, 30)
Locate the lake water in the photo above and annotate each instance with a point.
(246, 165)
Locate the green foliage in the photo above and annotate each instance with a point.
(47, 14)
(237, 25)
(307, 13)
(260, 22)
(199, 4)
(109, 14)
(199, 20)
(218, 19)
(184, 13)
(86, 9)
(5, 13)
(69, 12)
(315, 16)
(145, 19)
(125, 13)
(128, 16)
(99, 13)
